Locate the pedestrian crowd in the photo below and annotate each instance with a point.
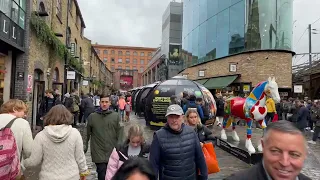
(178, 151)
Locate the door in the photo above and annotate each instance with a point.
(38, 95)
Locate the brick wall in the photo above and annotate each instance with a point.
(253, 66)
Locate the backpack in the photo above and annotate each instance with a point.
(192, 106)
(114, 100)
(127, 107)
(9, 159)
(68, 102)
(75, 106)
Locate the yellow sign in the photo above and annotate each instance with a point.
(161, 99)
(246, 88)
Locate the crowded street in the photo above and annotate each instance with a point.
(159, 90)
(228, 163)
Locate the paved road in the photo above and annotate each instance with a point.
(228, 163)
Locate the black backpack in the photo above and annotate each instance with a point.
(68, 102)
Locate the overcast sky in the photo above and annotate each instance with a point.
(124, 22)
(138, 23)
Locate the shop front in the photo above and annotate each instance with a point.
(12, 33)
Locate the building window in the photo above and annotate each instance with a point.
(119, 67)
(120, 53)
(105, 51)
(59, 9)
(141, 61)
(76, 48)
(134, 68)
(127, 61)
(134, 61)
(105, 60)
(112, 68)
(119, 60)
(112, 52)
(149, 54)
(127, 67)
(112, 60)
(15, 12)
(135, 53)
(141, 69)
(128, 53)
(142, 54)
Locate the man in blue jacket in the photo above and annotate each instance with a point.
(175, 152)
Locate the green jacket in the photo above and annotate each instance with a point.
(105, 132)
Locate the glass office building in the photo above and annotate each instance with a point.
(214, 29)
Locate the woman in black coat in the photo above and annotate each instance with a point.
(193, 120)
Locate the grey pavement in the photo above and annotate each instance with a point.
(228, 163)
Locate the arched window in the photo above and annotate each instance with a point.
(135, 53)
(105, 51)
(120, 53)
(112, 52)
(55, 76)
(128, 53)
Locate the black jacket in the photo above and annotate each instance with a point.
(204, 134)
(220, 108)
(87, 105)
(256, 172)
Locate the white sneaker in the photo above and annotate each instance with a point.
(312, 142)
(312, 131)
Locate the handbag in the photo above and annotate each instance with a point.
(275, 118)
(210, 158)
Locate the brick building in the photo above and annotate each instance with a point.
(235, 45)
(126, 62)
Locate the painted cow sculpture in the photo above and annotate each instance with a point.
(252, 108)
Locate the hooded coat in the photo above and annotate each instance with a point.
(60, 149)
(105, 133)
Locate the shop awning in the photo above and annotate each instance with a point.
(220, 82)
(202, 81)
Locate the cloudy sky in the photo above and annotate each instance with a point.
(138, 23)
(124, 22)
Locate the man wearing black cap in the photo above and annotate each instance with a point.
(175, 151)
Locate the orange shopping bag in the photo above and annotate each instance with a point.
(211, 158)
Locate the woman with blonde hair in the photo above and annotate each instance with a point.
(59, 148)
(135, 146)
(193, 120)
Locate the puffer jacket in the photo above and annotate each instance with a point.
(177, 155)
(119, 155)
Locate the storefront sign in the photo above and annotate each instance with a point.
(283, 93)
(85, 83)
(73, 49)
(29, 86)
(11, 31)
(246, 88)
(71, 75)
(232, 67)
(297, 89)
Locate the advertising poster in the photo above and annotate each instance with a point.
(126, 82)
(174, 53)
